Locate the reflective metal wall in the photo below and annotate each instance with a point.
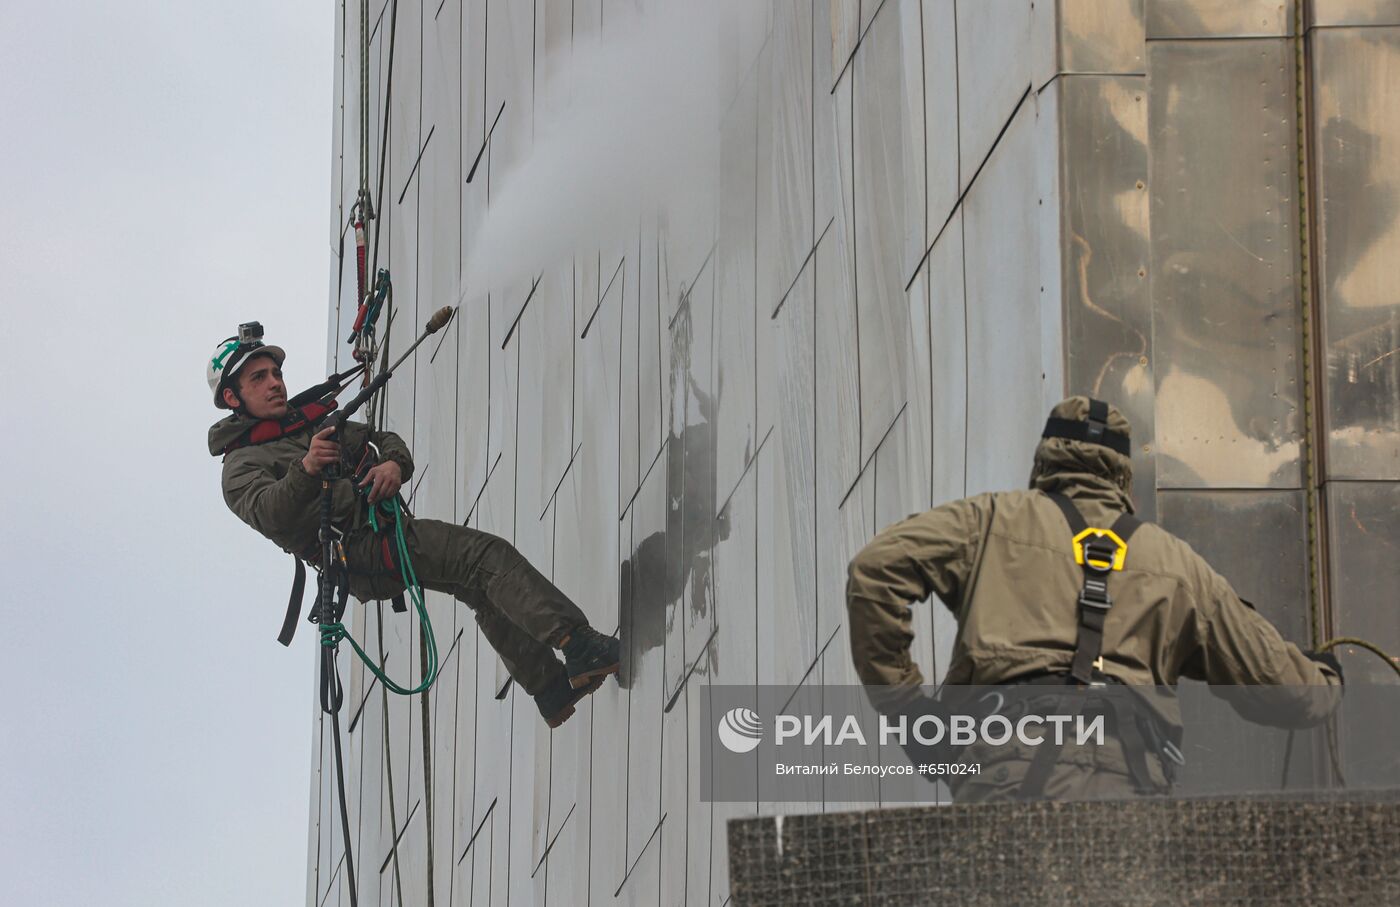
(932, 220)
(1354, 59)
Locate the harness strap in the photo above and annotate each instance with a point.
(1100, 555)
(296, 419)
(1033, 785)
(289, 623)
(1135, 725)
(1094, 430)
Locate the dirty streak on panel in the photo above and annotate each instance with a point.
(1101, 36)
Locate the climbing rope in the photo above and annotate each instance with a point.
(1332, 750)
(1390, 660)
(333, 633)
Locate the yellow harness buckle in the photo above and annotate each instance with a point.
(1119, 555)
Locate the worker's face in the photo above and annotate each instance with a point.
(261, 388)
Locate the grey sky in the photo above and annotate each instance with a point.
(166, 175)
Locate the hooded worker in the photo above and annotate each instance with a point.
(273, 457)
(1061, 584)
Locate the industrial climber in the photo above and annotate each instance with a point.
(271, 480)
(1060, 588)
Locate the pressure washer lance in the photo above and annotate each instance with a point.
(329, 607)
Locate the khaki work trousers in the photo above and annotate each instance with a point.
(520, 612)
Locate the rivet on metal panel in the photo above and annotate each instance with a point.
(1142, 360)
(1141, 185)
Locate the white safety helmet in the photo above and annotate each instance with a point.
(233, 353)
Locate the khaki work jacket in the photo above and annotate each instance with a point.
(269, 489)
(1003, 563)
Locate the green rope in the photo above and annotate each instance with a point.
(332, 634)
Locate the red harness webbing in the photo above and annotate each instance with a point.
(272, 429)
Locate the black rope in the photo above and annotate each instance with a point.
(329, 610)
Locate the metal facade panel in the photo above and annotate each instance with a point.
(1257, 540)
(1356, 154)
(1328, 13)
(940, 132)
(345, 123)
(1220, 18)
(443, 737)
(786, 482)
(901, 484)
(692, 496)
(1222, 127)
(843, 26)
(735, 275)
(630, 464)
(644, 612)
(1005, 412)
(996, 57)
(471, 375)
(1105, 244)
(653, 345)
(546, 335)
(672, 839)
(887, 125)
(918, 384)
(1101, 36)
(1364, 527)
(786, 200)
(609, 778)
(948, 367)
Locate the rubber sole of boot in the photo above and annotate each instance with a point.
(560, 717)
(599, 674)
(568, 711)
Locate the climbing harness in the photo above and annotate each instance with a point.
(332, 632)
(1099, 553)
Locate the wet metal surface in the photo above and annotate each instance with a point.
(1357, 160)
(1328, 13)
(1219, 18)
(1223, 179)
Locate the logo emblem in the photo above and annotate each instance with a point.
(740, 730)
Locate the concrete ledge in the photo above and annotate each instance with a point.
(1202, 851)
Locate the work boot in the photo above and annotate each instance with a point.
(556, 703)
(589, 654)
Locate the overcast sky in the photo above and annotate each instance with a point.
(165, 174)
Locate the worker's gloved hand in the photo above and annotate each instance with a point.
(382, 482)
(323, 452)
(1330, 660)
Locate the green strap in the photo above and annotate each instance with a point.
(332, 634)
